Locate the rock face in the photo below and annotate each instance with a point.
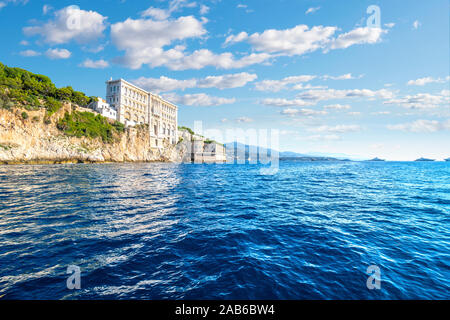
(32, 140)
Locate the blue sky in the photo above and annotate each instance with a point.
(315, 70)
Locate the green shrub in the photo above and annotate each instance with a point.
(27, 89)
(186, 129)
(52, 105)
(87, 124)
(24, 115)
(36, 119)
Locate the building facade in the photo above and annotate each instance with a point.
(136, 106)
(102, 107)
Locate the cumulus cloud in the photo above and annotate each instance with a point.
(337, 129)
(58, 54)
(332, 94)
(301, 39)
(165, 84)
(281, 102)
(204, 9)
(312, 10)
(419, 101)
(277, 85)
(422, 126)
(347, 76)
(46, 9)
(29, 53)
(337, 107)
(70, 23)
(4, 3)
(426, 80)
(198, 99)
(98, 64)
(156, 13)
(244, 120)
(174, 5)
(204, 57)
(357, 36)
(416, 24)
(304, 112)
(295, 41)
(144, 42)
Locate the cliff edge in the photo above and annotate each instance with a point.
(32, 137)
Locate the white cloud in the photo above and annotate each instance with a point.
(4, 3)
(24, 43)
(357, 36)
(156, 13)
(227, 81)
(418, 101)
(297, 82)
(295, 41)
(236, 38)
(280, 102)
(204, 57)
(46, 9)
(277, 85)
(331, 94)
(312, 10)
(389, 25)
(165, 84)
(337, 129)
(244, 120)
(58, 54)
(416, 24)
(144, 40)
(198, 99)
(337, 107)
(304, 112)
(98, 64)
(426, 80)
(70, 23)
(163, 14)
(204, 9)
(422, 126)
(381, 113)
(301, 39)
(347, 76)
(30, 53)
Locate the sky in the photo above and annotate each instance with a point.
(360, 78)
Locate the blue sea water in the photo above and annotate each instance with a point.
(167, 231)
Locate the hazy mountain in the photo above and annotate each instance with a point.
(239, 150)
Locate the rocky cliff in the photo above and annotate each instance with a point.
(35, 138)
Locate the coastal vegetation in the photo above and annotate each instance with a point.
(24, 90)
(89, 125)
(19, 87)
(187, 129)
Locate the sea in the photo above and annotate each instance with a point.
(311, 230)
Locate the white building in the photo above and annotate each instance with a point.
(101, 106)
(137, 106)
